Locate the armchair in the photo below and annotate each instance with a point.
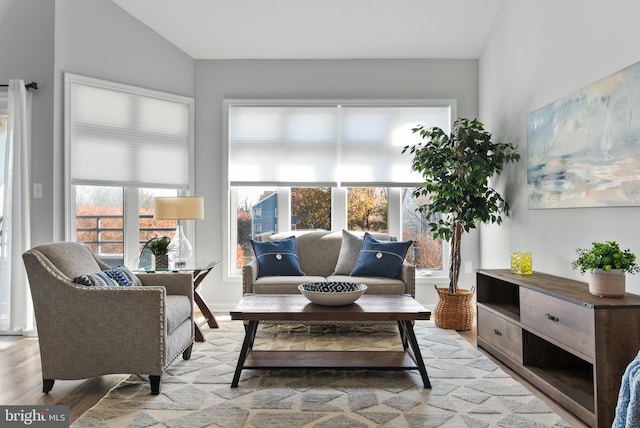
(87, 331)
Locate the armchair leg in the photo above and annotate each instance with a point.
(47, 385)
(155, 384)
(187, 352)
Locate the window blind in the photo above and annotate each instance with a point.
(335, 145)
(126, 136)
(372, 139)
(282, 145)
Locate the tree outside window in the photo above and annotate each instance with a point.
(99, 219)
(426, 252)
(311, 208)
(368, 209)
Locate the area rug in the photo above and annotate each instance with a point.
(468, 389)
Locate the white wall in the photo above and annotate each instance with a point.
(538, 52)
(27, 34)
(217, 80)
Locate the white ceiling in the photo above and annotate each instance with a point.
(306, 29)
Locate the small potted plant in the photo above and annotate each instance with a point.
(607, 264)
(159, 248)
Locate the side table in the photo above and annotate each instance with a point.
(200, 271)
(198, 276)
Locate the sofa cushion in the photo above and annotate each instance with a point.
(283, 284)
(124, 276)
(96, 279)
(120, 276)
(178, 309)
(379, 258)
(318, 252)
(375, 285)
(277, 258)
(349, 250)
(73, 259)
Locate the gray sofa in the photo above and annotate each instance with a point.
(318, 253)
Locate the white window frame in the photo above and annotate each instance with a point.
(338, 194)
(131, 207)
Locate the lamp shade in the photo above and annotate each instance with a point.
(178, 208)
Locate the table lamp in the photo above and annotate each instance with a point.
(179, 208)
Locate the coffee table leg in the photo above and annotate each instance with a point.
(403, 335)
(407, 326)
(249, 337)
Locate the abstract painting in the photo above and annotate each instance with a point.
(584, 149)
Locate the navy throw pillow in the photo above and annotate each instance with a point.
(277, 258)
(380, 258)
(120, 276)
(97, 279)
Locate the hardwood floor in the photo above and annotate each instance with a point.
(22, 382)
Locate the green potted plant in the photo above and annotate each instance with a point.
(607, 264)
(456, 169)
(159, 248)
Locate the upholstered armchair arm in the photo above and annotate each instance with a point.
(174, 283)
(408, 275)
(249, 276)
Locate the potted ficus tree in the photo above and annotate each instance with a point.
(607, 264)
(456, 169)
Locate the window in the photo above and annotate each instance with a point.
(332, 166)
(124, 146)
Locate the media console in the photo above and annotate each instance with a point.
(571, 345)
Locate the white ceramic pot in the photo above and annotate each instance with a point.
(609, 283)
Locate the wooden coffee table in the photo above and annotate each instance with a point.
(294, 307)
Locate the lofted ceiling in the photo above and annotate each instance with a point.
(306, 29)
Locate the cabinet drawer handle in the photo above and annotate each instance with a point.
(497, 332)
(551, 317)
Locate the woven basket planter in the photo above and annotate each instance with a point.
(454, 311)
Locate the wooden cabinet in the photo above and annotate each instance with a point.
(570, 344)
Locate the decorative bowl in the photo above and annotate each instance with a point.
(332, 293)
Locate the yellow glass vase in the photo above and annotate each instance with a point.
(521, 263)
